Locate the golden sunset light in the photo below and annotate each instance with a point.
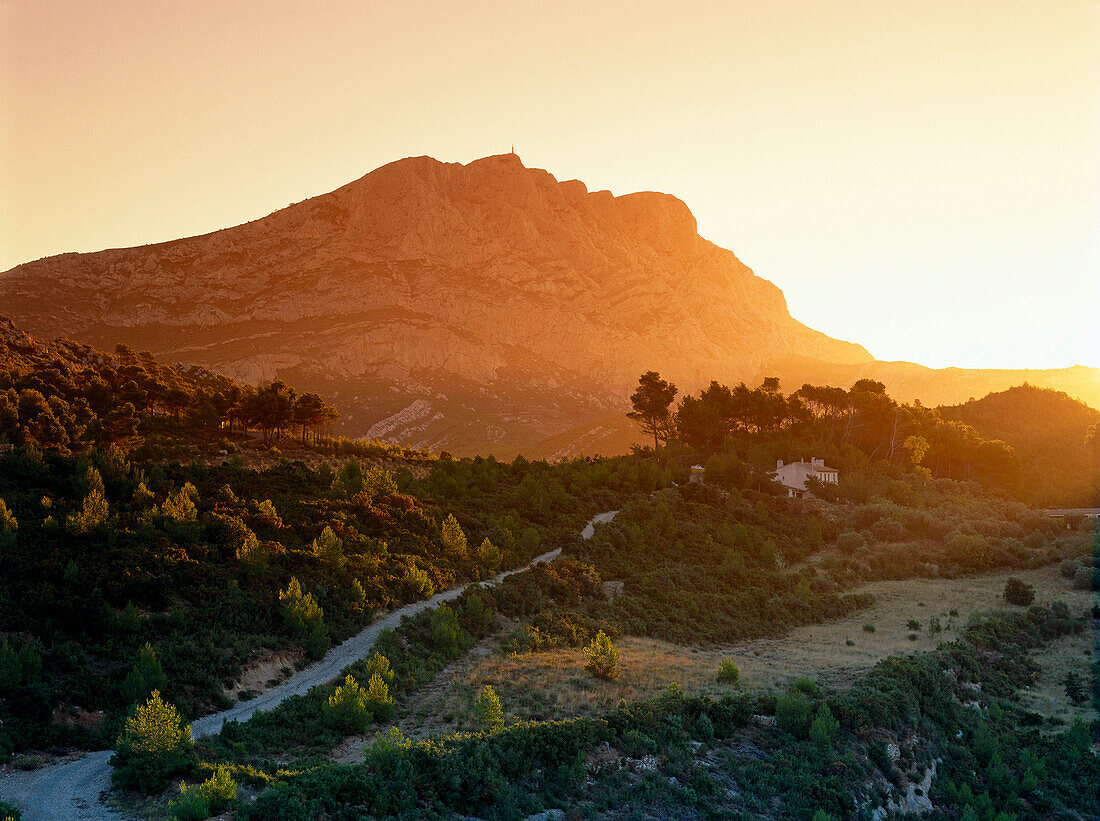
(539, 411)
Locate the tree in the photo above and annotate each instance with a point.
(8, 525)
(300, 609)
(180, 505)
(488, 555)
(650, 404)
(329, 548)
(1019, 593)
(601, 657)
(487, 710)
(378, 698)
(454, 540)
(310, 411)
(825, 727)
(146, 676)
(154, 744)
(445, 629)
(93, 511)
(272, 407)
(379, 665)
(347, 709)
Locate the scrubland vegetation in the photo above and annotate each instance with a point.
(138, 588)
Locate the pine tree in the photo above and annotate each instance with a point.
(146, 676)
(154, 744)
(347, 709)
(454, 540)
(299, 608)
(488, 555)
(489, 713)
(379, 665)
(180, 505)
(329, 548)
(601, 657)
(378, 698)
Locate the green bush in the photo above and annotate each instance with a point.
(792, 713)
(210, 797)
(487, 711)
(1019, 593)
(728, 672)
(601, 657)
(347, 709)
(825, 727)
(378, 698)
(154, 744)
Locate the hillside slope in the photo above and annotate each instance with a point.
(1047, 429)
(483, 307)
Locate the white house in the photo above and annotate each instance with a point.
(793, 475)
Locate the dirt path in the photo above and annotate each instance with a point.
(74, 789)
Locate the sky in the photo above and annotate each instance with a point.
(922, 177)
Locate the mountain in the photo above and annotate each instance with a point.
(1048, 430)
(482, 307)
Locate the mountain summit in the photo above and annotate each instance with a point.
(484, 306)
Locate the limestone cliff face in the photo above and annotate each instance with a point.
(452, 305)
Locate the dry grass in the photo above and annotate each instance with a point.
(1048, 695)
(553, 684)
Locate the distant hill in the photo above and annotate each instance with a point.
(906, 381)
(484, 307)
(1047, 428)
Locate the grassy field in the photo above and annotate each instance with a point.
(553, 684)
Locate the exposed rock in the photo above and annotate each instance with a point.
(480, 307)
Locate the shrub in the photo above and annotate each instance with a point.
(792, 713)
(387, 749)
(329, 548)
(300, 609)
(868, 628)
(212, 796)
(805, 685)
(379, 665)
(704, 727)
(601, 657)
(418, 582)
(153, 745)
(1084, 578)
(347, 708)
(825, 727)
(849, 540)
(9, 812)
(147, 675)
(487, 711)
(728, 672)
(1019, 593)
(378, 698)
(445, 628)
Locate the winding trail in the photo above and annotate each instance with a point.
(74, 788)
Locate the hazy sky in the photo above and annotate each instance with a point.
(921, 177)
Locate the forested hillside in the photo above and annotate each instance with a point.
(1031, 444)
(154, 565)
(1054, 436)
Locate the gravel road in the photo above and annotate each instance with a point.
(73, 788)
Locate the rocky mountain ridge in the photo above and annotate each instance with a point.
(478, 307)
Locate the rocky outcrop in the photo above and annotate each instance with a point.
(484, 306)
